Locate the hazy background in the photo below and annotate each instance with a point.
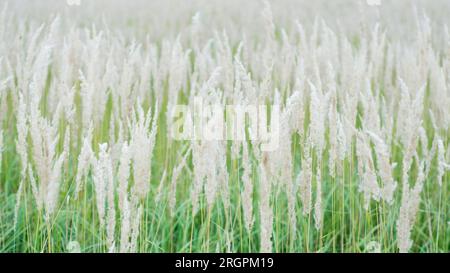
(156, 19)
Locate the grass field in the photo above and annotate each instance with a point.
(347, 149)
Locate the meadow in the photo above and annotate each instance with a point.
(354, 99)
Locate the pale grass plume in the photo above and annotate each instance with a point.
(305, 184)
(160, 191)
(123, 173)
(143, 132)
(173, 182)
(54, 186)
(333, 137)
(409, 207)
(318, 109)
(22, 149)
(442, 165)
(247, 189)
(104, 192)
(384, 168)
(85, 160)
(47, 163)
(131, 214)
(199, 174)
(265, 210)
(366, 171)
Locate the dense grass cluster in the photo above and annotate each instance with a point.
(88, 161)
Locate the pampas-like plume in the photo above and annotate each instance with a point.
(318, 109)
(247, 191)
(222, 172)
(131, 214)
(333, 136)
(173, 183)
(318, 204)
(21, 148)
(104, 192)
(84, 162)
(305, 187)
(54, 187)
(160, 191)
(281, 163)
(384, 168)
(141, 144)
(22, 133)
(210, 168)
(265, 210)
(48, 164)
(123, 173)
(198, 156)
(296, 112)
(409, 207)
(211, 178)
(442, 165)
(130, 209)
(368, 184)
(209, 160)
(341, 145)
(409, 119)
(66, 148)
